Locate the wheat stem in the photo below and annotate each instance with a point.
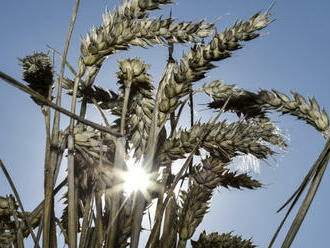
(22, 87)
(323, 162)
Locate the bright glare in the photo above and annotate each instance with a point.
(135, 178)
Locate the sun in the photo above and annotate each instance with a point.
(135, 178)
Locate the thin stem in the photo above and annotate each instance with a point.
(101, 113)
(124, 110)
(24, 88)
(39, 229)
(154, 242)
(50, 166)
(65, 61)
(137, 219)
(115, 204)
(191, 99)
(71, 177)
(181, 109)
(90, 78)
(19, 234)
(298, 192)
(26, 218)
(71, 195)
(66, 48)
(58, 222)
(308, 198)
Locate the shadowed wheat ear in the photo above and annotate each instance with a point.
(298, 106)
(225, 140)
(227, 240)
(94, 158)
(257, 104)
(196, 200)
(213, 173)
(125, 223)
(38, 72)
(195, 203)
(170, 227)
(140, 101)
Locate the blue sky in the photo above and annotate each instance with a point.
(292, 55)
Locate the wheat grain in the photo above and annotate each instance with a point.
(38, 72)
(221, 241)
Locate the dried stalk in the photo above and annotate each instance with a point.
(169, 236)
(71, 178)
(115, 203)
(101, 113)
(58, 222)
(73, 71)
(86, 220)
(322, 165)
(50, 165)
(40, 98)
(124, 110)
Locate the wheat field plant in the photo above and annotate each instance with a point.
(140, 131)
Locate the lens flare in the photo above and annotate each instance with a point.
(135, 178)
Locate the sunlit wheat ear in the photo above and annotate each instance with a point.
(227, 240)
(117, 33)
(134, 71)
(138, 8)
(38, 72)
